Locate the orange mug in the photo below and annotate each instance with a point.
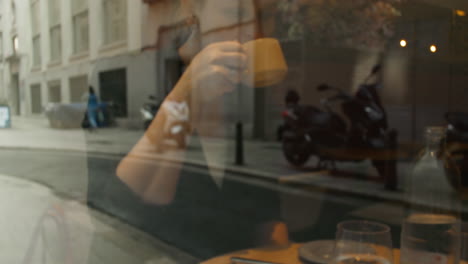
(266, 65)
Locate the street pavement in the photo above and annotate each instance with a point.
(263, 159)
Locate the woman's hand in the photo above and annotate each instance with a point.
(216, 70)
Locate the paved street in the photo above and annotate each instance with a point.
(263, 159)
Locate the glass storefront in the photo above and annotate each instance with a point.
(234, 131)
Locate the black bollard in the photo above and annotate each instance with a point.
(239, 144)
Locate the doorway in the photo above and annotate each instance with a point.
(113, 88)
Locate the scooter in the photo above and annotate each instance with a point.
(313, 131)
(148, 111)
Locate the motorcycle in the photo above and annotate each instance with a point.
(455, 150)
(312, 131)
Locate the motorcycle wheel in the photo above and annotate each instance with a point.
(295, 152)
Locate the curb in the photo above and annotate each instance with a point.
(377, 194)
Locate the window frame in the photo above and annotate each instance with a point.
(36, 32)
(110, 19)
(80, 14)
(55, 28)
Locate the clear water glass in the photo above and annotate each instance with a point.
(363, 242)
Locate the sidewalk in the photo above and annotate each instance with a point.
(262, 159)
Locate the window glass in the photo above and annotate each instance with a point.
(233, 131)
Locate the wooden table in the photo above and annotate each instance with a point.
(286, 255)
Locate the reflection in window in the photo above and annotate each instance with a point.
(78, 87)
(55, 93)
(1, 45)
(80, 26)
(36, 32)
(15, 44)
(114, 21)
(55, 30)
(36, 99)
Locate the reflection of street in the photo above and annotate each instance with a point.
(310, 213)
(42, 225)
(312, 201)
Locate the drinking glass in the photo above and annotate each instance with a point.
(363, 242)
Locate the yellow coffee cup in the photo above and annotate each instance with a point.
(266, 65)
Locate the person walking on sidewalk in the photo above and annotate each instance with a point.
(92, 109)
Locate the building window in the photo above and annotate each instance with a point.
(55, 44)
(13, 13)
(55, 30)
(1, 45)
(78, 88)
(80, 26)
(37, 51)
(115, 21)
(1, 35)
(36, 26)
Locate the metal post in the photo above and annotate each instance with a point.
(239, 131)
(239, 144)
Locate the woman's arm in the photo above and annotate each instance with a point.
(214, 71)
(155, 181)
